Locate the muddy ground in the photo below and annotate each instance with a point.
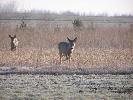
(66, 87)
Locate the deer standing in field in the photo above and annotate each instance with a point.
(66, 48)
(14, 42)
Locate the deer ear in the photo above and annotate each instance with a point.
(9, 36)
(75, 39)
(68, 39)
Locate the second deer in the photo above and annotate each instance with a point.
(14, 42)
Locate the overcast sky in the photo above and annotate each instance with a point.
(81, 6)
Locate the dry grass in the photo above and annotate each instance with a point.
(105, 47)
(97, 59)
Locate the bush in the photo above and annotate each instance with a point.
(77, 24)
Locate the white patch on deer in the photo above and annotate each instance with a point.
(72, 48)
(15, 41)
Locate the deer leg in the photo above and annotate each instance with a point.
(12, 46)
(60, 58)
(69, 58)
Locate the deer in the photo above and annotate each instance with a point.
(66, 49)
(14, 42)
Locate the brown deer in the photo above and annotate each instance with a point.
(14, 42)
(66, 48)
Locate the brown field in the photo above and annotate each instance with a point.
(33, 72)
(108, 46)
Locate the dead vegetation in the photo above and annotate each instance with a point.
(108, 46)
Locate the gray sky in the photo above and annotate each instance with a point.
(81, 6)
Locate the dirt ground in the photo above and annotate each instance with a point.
(66, 87)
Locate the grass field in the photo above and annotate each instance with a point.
(100, 69)
(66, 87)
(108, 46)
(95, 60)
